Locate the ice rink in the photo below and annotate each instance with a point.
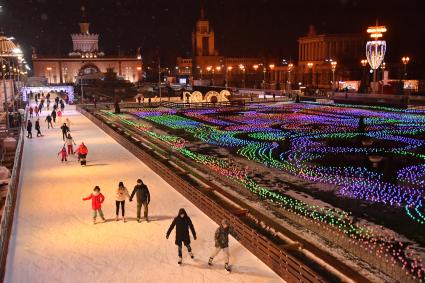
(54, 238)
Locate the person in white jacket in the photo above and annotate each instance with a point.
(122, 194)
(69, 141)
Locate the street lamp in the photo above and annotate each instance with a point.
(310, 66)
(228, 70)
(375, 49)
(333, 66)
(255, 67)
(290, 66)
(271, 66)
(405, 61)
(218, 69)
(242, 68)
(363, 62)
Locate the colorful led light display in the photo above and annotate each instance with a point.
(296, 138)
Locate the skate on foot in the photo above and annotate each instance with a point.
(123, 220)
(227, 267)
(147, 220)
(94, 221)
(210, 261)
(191, 255)
(103, 220)
(139, 220)
(180, 260)
(116, 218)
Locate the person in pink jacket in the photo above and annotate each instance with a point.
(63, 154)
(96, 202)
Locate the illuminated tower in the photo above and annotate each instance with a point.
(85, 42)
(203, 38)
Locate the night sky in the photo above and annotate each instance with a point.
(243, 27)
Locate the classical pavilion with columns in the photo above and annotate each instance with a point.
(85, 59)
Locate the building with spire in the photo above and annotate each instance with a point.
(208, 63)
(85, 59)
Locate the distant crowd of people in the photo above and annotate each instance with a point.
(182, 223)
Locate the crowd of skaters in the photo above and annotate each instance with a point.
(53, 117)
(182, 223)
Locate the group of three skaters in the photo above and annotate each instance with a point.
(182, 222)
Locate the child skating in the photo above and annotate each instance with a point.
(221, 238)
(96, 202)
(182, 223)
(63, 154)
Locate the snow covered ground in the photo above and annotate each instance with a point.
(54, 239)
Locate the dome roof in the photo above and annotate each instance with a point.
(6, 46)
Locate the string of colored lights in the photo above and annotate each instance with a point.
(294, 160)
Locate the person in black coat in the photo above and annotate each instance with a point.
(37, 128)
(29, 129)
(65, 131)
(143, 199)
(182, 223)
(54, 116)
(49, 121)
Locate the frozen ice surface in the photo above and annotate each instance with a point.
(54, 239)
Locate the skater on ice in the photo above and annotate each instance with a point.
(122, 194)
(96, 203)
(29, 129)
(59, 114)
(221, 239)
(65, 131)
(31, 110)
(37, 128)
(182, 223)
(82, 152)
(69, 144)
(36, 110)
(63, 154)
(54, 116)
(49, 121)
(143, 199)
(68, 123)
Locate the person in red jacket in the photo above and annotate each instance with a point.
(96, 203)
(63, 154)
(82, 151)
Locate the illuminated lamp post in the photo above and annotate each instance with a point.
(209, 68)
(255, 67)
(363, 62)
(333, 66)
(383, 66)
(310, 66)
(271, 67)
(405, 61)
(228, 71)
(242, 68)
(290, 67)
(375, 49)
(218, 69)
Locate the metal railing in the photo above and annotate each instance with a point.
(10, 204)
